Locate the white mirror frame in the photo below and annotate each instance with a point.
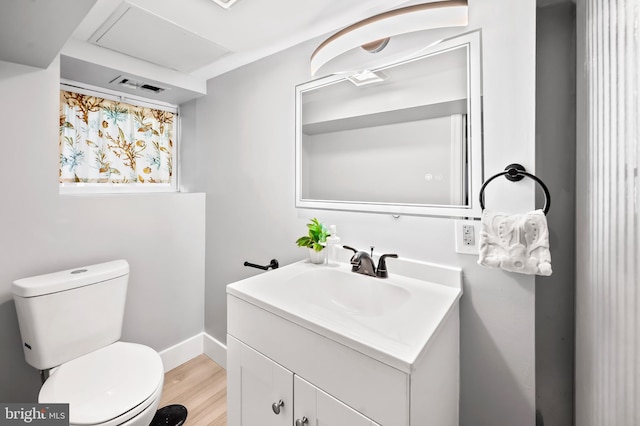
(475, 167)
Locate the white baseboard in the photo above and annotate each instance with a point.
(201, 343)
(182, 352)
(215, 350)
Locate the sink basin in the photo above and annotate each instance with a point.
(390, 319)
(350, 293)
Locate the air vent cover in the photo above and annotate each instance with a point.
(136, 85)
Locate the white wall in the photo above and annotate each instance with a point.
(245, 146)
(160, 235)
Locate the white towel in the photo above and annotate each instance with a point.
(515, 242)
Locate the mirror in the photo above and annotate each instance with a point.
(402, 139)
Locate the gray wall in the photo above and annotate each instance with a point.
(245, 146)
(160, 235)
(555, 159)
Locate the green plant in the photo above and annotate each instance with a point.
(316, 238)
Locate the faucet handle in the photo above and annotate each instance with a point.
(381, 272)
(354, 266)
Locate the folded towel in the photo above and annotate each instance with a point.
(515, 242)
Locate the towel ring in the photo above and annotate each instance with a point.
(516, 172)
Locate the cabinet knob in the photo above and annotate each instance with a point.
(301, 422)
(276, 406)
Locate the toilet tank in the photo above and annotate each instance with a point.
(66, 314)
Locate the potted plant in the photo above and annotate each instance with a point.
(314, 240)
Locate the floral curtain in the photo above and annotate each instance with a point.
(103, 141)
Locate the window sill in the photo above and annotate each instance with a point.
(94, 189)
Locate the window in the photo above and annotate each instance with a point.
(109, 143)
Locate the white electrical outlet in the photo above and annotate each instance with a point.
(467, 234)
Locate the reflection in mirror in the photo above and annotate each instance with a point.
(395, 139)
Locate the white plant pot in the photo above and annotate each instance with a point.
(317, 256)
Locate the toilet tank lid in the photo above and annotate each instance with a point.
(69, 279)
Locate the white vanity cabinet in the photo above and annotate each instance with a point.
(312, 406)
(261, 392)
(341, 349)
(255, 383)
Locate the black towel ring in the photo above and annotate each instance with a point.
(516, 172)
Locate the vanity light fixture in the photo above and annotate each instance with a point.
(367, 77)
(373, 34)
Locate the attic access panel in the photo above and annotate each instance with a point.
(141, 34)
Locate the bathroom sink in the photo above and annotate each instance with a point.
(350, 293)
(390, 319)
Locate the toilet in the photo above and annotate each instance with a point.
(71, 324)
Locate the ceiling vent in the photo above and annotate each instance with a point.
(225, 3)
(132, 84)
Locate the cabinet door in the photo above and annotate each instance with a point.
(321, 409)
(255, 387)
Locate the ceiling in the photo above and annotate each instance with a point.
(176, 45)
(32, 32)
(242, 33)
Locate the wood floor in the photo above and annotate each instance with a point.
(201, 386)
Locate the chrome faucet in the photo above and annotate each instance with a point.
(362, 263)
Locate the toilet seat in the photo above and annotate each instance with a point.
(108, 386)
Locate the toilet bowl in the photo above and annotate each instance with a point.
(113, 385)
(70, 323)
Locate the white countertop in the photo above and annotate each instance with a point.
(391, 320)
